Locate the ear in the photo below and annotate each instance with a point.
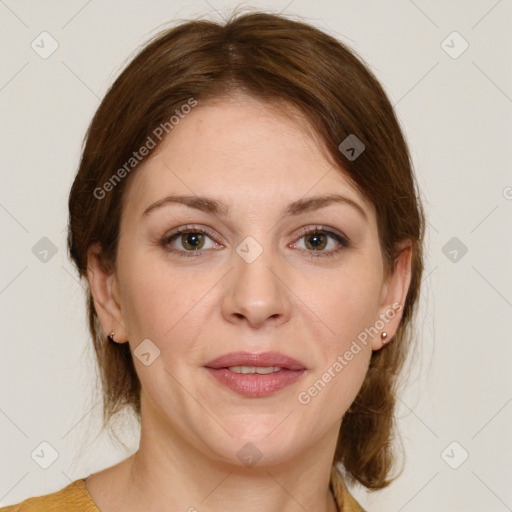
(394, 293)
(104, 289)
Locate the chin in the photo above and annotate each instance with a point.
(264, 450)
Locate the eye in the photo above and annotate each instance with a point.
(317, 239)
(191, 239)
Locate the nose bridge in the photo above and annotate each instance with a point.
(256, 290)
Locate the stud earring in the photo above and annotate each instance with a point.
(111, 336)
(384, 336)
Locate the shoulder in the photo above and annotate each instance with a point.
(73, 497)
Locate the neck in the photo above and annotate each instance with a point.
(170, 473)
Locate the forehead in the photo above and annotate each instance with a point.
(241, 149)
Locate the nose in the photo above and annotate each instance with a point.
(257, 292)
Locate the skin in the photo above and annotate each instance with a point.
(258, 160)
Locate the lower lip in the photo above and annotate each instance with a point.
(254, 384)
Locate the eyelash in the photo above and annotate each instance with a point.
(341, 239)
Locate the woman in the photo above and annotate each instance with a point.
(250, 231)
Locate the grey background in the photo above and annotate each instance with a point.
(455, 108)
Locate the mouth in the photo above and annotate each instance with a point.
(255, 375)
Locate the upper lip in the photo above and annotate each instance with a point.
(249, 359)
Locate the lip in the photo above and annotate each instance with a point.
(255, 385)
(250, 359)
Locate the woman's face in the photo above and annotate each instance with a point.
(247, 278)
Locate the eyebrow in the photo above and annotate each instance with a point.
(216, 207)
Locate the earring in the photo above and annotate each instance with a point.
(111, 336)
(384, 336)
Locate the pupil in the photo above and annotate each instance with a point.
(193, 239)
(317, 240)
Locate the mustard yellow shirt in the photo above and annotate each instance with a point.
(76, 498)
(73, 498)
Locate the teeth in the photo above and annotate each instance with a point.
(254, 369)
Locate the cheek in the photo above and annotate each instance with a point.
(347, 305)
(344, 302)
(330, 390)
(159, 303)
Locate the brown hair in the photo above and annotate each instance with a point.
(277, 60)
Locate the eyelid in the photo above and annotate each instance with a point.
(326, 229)
(191, 228)
(342, 239)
